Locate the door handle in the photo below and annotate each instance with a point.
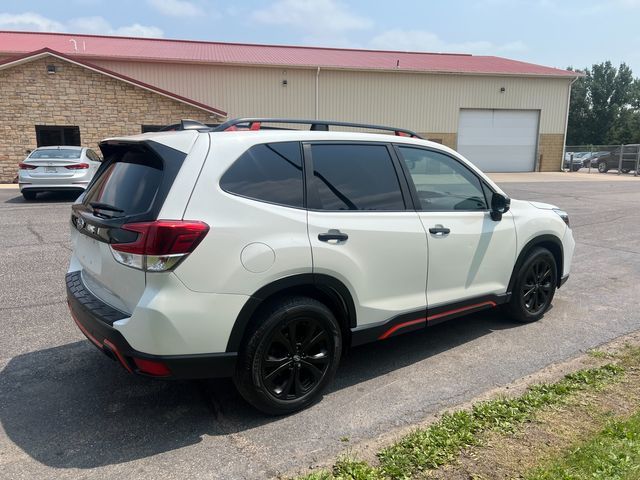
(439, 230)
(333, 235)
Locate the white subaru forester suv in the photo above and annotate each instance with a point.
(263, 254)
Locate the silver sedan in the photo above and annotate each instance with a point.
(57, 168)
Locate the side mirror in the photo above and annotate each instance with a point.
(499, 206)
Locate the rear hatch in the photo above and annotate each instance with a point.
(130, 187)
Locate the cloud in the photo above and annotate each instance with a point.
(422, 40)
(100, 26)
(321, 20)
(628, 3)
(176, 8)
(95, 25)
(29, 21)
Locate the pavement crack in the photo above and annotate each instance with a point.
(599, 222)
(65, 246)
(35, 233)
(609, 248)
(32, 305)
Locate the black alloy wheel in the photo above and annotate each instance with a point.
(534, 286)
(537, 288)
(290, 355)
(297, 358)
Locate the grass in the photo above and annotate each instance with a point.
(441, 443)
(612, 454)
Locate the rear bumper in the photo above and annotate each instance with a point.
(36, 187)
(95, 319)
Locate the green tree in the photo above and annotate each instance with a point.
(605, 106)
(579, 113)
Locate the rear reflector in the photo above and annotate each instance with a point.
(160, 245)
(77, 166)
(151, 367)
(26, 166)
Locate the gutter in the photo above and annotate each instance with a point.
(566, 122)
(317, 94)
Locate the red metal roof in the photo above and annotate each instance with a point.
(163, 50)
(30, 56)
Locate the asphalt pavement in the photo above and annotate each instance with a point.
(67, 411)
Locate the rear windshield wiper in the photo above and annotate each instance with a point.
(105, 206)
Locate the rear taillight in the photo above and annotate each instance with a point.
(26, 166)
(77, 166)
(160, 245)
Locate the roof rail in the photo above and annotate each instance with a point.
(317, 125)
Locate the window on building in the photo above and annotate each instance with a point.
(151, 128)
(354, 177)
(52, 135)
(268, 172)
(442, 183)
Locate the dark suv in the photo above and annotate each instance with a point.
(612, 160)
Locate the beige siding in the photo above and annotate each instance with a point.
(422, 102)
(240, 91)
(431, 103)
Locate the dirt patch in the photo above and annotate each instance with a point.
(553, 431)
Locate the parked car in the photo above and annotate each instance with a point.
(265, 254)
(574, 161)
(611, 161)
(57, 168)
(592, 159)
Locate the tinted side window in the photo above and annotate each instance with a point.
(268, 172)
(354, 177)
(442, 183)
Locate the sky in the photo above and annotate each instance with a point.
(557, 33)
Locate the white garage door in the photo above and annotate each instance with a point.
(499, 140)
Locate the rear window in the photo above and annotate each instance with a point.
(57, 153)
(130, 183)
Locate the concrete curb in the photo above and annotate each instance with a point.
(8, 186)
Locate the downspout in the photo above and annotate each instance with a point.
(317, 94)
(566, 124)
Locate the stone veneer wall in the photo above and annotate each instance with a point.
(550, 149)
(99, 105)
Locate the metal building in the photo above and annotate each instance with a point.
(503, 114)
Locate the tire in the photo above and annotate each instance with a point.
(29, 195)
(602, 167)
(625, 170)
(534, 287)
(279, 376)
(575, 168)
